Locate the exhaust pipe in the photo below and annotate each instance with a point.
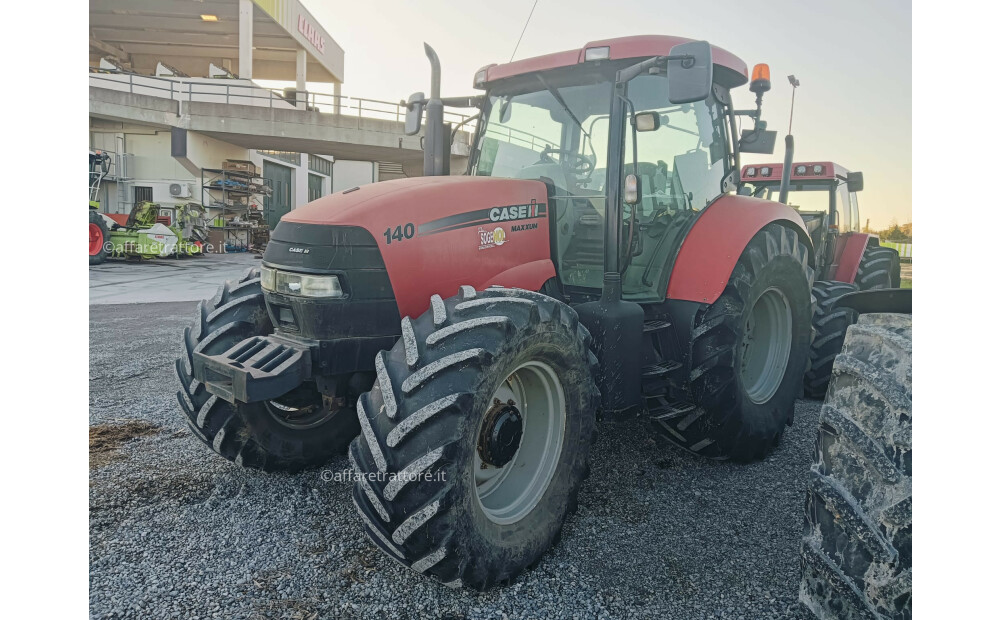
(437, 148)
(786, 170)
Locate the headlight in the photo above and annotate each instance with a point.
(300, 284)
(267, 278)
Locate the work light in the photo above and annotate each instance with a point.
(597, 53)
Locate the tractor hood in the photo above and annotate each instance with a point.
(433, 234)
(418, 199)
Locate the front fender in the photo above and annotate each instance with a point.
(718, 237)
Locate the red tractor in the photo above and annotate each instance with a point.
(600, 254)
(826, 196)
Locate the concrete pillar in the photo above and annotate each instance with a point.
(246, 39)
(301, 61)
(336, 97)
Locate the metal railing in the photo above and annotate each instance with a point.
(207, 90)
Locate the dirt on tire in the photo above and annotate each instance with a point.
(856, 546)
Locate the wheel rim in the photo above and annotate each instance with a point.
(300, 409)
(96, 239)
(767, 344)
(508, 492)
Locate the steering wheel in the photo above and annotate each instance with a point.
(576, 164)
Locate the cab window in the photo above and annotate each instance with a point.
(844, 209)
(680, 167)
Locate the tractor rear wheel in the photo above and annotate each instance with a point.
(748, 353)
(289, 434)
(98, 238)
(475, 439)
(856, 544)
(829, 326)
(879, 269)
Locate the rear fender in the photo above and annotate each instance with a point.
(717, 239)
(847, 255)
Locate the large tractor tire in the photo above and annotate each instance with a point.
(98, 238)
(856, 545)
(289, 434)
(879, 269)
(748, 353)
(829, 328)
(475, 439)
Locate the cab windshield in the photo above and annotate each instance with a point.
(548, 133)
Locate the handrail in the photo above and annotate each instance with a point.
(211, 92)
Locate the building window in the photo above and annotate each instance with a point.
(315, 187)
(285, 156)
(142, 194)
(320, 165)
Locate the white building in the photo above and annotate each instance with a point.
(172, 96)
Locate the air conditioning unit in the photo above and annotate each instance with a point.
(168, 191)
(180, 190)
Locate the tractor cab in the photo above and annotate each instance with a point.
(558, 129)
(579, 124)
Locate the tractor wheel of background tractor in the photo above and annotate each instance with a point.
(879, 269)
(98, 238)
(289, 434)
(856, 544)
(748, 353)
(474, 440)
(829, 325)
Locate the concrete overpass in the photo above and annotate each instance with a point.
(353, 129)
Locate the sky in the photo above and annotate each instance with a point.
(852, 57)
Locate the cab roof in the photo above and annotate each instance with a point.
(754, 173)
(730, 71)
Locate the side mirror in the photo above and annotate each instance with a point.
(690, 79)
(414, 114)
(855, 181)
(646, 121)
(758, 141)
(633, 190)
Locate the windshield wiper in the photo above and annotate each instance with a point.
(558, 97)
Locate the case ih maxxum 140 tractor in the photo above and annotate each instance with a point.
(601, 254)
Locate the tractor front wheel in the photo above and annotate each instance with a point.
(298, 430)
(748, 353)
(474, 440)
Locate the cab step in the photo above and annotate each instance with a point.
(660, 369)
(661, 409)
(654, 325)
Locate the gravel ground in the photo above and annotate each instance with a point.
(176, 531)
